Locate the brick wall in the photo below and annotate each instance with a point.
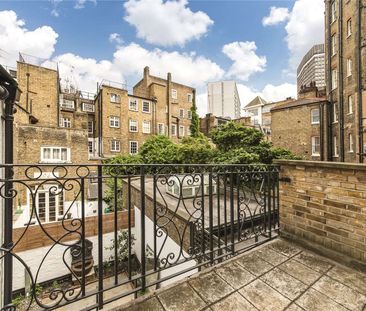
(323, 205)
(34, 237)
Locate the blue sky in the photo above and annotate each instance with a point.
(199, 41)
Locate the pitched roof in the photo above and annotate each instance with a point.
(257, 101)
(300, 102)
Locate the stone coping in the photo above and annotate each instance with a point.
(322, 164)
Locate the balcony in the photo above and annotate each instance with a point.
(185, 237)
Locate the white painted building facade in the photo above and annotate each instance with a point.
(223, 99)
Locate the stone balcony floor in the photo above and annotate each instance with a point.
(276, 276)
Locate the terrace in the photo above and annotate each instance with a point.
(187, 237)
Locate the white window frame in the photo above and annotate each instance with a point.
(349, 67)
(314, 146)
(349, 27)
(334, 45)
(67, 104)
(334, 79)
(335, 112)
(85, 105)
(350, 104)
(114, 122)
(133, 104)
(130, 124)
(173, 130)
(181, 113)
(350, 143)
(90, 145)
(190, 97)
(46, 191)
(136, 147)
(65, 122)
(52, 150)
(143, 107)
(181, 131)
(91, 127)
(335, 146)
(189, 114)
(174, 94)
(333, 10)
(314, 115)
(116, 100)
(115, 145)
(161, 129)
(146, 127)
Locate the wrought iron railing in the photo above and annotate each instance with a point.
(76, 233)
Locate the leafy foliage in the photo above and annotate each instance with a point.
(234, 135)
(122, 246)
(195, 121)
(232, 143)
(159, 150)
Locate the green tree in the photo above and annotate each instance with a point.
(159, 150)
(235, 135)
(196, 150)
(195, 121)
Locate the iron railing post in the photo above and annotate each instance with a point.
(8, 212)
(100, 237)
(143, 252)
(210, 207)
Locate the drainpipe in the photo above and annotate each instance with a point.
(9, 90)
(330, 94)
(321, 116)
(340, 81)
(359, 83)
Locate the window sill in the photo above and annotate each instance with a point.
(350, 113)
(133, 110)
(148, 112)
(315, 155)
(315, 123)
(54, 162)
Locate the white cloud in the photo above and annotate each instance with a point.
(166, 23)
(246, 61)
(115, 38)
(270, 93)
(15, 38)
(86, 72)
(276, 16)
(186, 68)
(273, 93)
(304, 29)
(80, 4)
(202, 105)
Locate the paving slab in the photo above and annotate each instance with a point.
(285, 248)
(264, 297)
(181, 297)
(271, 256)
(294, 307)
(235, 275)
(284, 283)
(254, 264)
(300, 271)
(314, 262)
(352, 278)
(233, 302)
(211, 287)
(313, 300)
(341, 293)
(151, 304)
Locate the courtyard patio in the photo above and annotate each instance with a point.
(276, 276)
